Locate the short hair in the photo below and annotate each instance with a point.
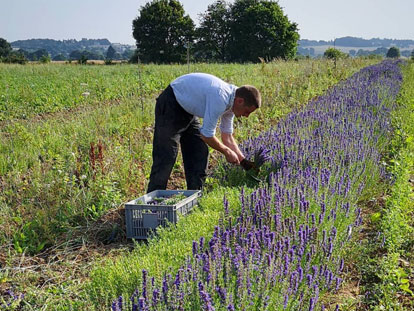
(250, 94)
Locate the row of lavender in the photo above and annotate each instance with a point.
(284, 248)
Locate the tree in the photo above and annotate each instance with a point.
(393, 52)
(84, 56)
(5, 48)
(127, 54)
(333, 53)
(161, 32)
(110, 53)
(75, 55)
(214, 32)
(45, 59)
(83, 59)
(412, 55)
(15, 57)
(39, 54)
(59, 57)
(260, 30)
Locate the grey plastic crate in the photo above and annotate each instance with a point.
(142, 218)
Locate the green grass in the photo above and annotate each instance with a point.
(63, 170)
(395, 268)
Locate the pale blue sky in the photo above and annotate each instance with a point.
(111, 19)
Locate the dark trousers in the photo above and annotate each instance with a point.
(174, 126)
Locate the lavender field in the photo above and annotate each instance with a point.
(327, 224)
(285, 247)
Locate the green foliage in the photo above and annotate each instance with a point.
(108, 61)
(386, 262)
(64, 47)
(333, 53)
(83, 56)
(213, 35)
(259, 29)
(5, 48)
(15, 58)
(393, 52)
(127, 54)
(245, 31)
(59, 57)
(161, 32)
(83, 59)
(45, 59)
(38, 55)
(110, 53)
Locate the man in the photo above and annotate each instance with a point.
(176, 111)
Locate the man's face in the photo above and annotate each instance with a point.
(240, 110)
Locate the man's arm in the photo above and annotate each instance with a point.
(213, 142)
(229, 141)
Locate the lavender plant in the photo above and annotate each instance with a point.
(284, 247)
(11, 300)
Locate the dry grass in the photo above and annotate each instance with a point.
(89, 62)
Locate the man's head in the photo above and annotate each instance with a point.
(246, 100)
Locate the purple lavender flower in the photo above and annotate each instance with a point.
(205, 297)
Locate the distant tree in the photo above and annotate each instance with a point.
(5, 48)
(412, 55)
(45, 59)
(127, 54)
(59, 57)
(259, 29)
(162, 30)
(110, 53)
(84, 55)
(83, 59)
(134, 57)
(352, 53)
(39, 54)
(380, 51)
(75, 55)
(333, 53)
(15, 57)
(213, 35)
(393, 52)
(25, 53)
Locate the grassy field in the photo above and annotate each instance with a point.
(75, 143)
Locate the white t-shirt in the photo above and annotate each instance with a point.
(208, 97)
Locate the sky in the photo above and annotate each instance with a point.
(110, 19)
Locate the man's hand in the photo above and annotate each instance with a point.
(231, 156)
(248, 165)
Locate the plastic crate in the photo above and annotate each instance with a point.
(142, 218)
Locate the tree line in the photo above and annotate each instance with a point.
(22, 56)
(245, 31)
